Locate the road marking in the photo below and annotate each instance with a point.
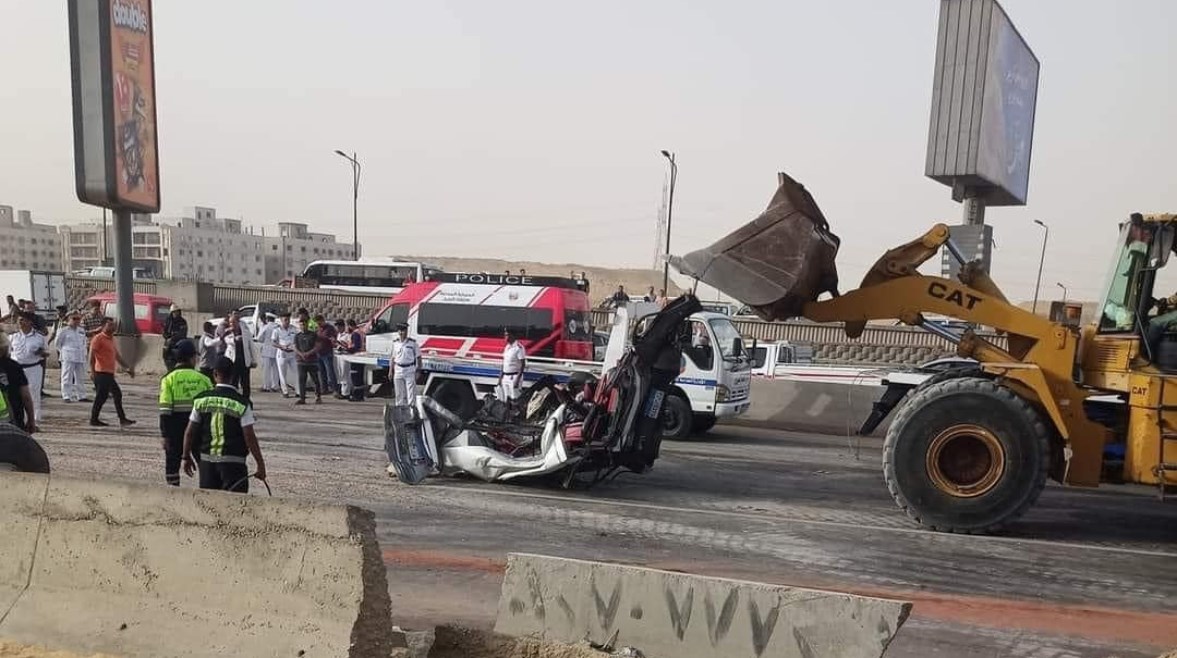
(617, 502)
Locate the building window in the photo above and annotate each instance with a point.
(199, 254)
(274, 247)
(259, 272)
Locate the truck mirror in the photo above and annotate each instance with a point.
(737, 347)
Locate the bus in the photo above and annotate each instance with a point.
(382, 276)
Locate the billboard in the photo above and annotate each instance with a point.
(116, 153)
(984, 96)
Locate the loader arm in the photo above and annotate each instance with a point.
(1041, 356)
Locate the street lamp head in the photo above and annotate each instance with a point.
(338, 152)
(665, 153)
(1040, 223)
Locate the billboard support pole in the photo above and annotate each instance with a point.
(124, 283)
(974, 211)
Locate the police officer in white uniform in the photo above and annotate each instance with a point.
(28, 350)
(514, 361)
(406, 357)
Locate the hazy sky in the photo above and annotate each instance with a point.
(531, 129)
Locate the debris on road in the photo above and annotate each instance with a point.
(458, 642)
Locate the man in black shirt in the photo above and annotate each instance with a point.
(221, 427)
(175, 329)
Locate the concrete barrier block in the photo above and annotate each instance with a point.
(19, 502)
(139, 570)
(810, 406)
(674, 615)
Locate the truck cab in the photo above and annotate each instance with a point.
(715, 380)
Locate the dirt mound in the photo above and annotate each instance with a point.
(11, 650)
(455, 642)
(1171, 654)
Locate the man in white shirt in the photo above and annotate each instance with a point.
(71, 343)
(514, 361)
(270, 381)
(28, 350)
(282, 339)
(406, 357)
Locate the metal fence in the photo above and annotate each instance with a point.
(332, 303)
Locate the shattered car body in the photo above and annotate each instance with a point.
(591, 427)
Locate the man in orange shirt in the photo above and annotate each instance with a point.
(104, 361)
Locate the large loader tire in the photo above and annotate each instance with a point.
(20, 452)
(966, 455)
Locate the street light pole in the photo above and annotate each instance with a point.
(669, 213)
(355, 201)
(1041, 260)
(1064, 291)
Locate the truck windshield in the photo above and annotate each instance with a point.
(726, 335)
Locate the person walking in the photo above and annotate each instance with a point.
(221, 435)
(514, 362)
(175, 329)
(326, 349)
(177, 391)
(208, 350)
(355, 345)
(104, 361)
(239, 349)
(406, 358)
(269, 354)
(15, 388)
(619, 299)
(71, 351)
(306, 351)
(29, 350)
(287, 362)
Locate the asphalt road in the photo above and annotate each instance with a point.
(1087, 573)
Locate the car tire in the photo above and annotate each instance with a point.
(676, 418)
(966, 455)
(20, 452)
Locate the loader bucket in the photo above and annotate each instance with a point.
(776, 263)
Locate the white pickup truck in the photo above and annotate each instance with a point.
(252, 316)
(794, 361)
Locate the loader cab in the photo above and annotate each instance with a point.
(1126, 326)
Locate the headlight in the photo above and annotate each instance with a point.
(722, 393)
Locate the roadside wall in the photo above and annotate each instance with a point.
(138, 570)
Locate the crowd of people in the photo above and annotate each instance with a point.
(84, 341)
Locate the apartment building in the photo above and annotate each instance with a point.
(25, 245)
(200, 246)
(288, 253)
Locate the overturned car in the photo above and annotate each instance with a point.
(587, 429)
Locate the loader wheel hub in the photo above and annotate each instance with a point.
(965, 461)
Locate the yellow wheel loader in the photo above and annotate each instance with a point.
(970, 449)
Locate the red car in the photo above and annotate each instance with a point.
(150, 310)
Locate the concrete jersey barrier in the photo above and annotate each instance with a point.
(674, 615)
(137, 570)
(784, 404)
